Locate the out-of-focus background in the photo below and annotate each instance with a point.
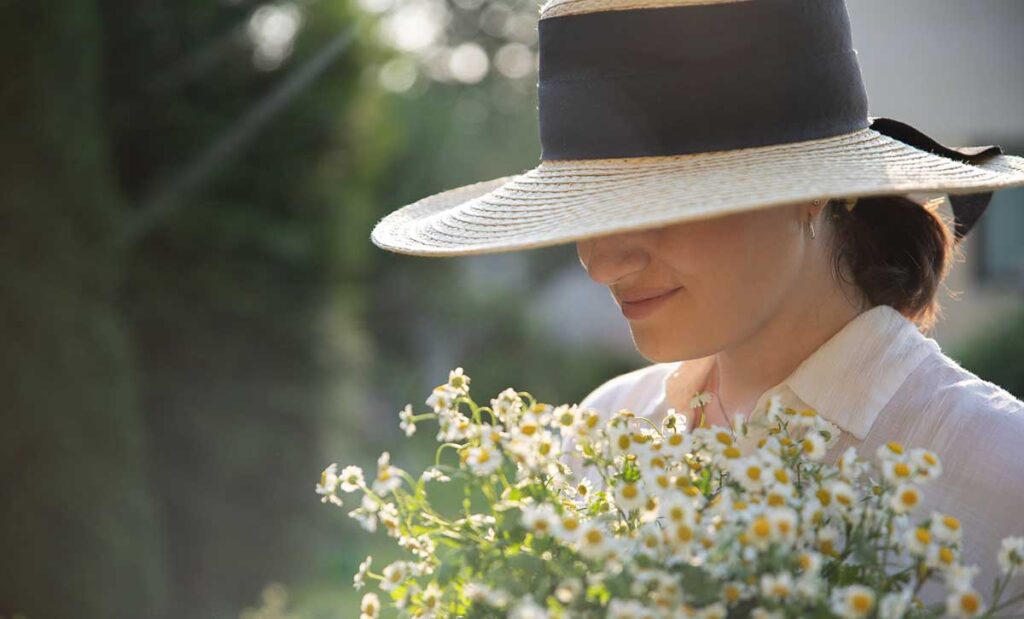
(193, 321)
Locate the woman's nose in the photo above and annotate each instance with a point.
(609, 258)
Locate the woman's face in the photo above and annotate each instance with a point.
(730, 275)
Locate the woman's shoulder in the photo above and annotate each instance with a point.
(947, 404)
(634, 389)
(947, 382)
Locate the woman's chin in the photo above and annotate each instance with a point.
(655, 349)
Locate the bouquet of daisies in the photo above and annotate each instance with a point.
(568, 512)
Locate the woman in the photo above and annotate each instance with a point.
(714, 162)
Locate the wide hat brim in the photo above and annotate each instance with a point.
(562, 201)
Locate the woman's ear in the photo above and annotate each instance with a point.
(816, 207)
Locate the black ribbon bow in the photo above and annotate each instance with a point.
(967, 208)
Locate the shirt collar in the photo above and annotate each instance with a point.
(850, 378)
(857, 371)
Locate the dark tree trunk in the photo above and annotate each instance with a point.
(77, 531)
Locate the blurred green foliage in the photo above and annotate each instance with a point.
(997, 355)
(195, 321)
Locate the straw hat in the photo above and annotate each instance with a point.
(655, 112)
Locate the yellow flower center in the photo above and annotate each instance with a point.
(761, 527)
(861, 603)
(970, 603)
(901, 469)
(895, 447)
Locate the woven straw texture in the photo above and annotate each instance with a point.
(561, 201)
(554, 8)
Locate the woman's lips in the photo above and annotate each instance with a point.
(638, 310)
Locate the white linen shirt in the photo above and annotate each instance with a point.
(880, 379)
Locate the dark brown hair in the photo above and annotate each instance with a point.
(896, 251)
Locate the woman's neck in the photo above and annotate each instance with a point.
(778, 346)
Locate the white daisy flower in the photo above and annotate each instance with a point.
(917, 540)
(540, 519)
(813, 446)
(759, 612)
(941, 557)
(564, 418)
(774, 409)
(508, 406)
(1011, 553)
(960, 577)
(945, 528)
(359, 580)
(897, 471)
(568, 590)
(809, 562)
(453, 426)
(568, 528)
(458, 381)
(629, 496)
(388, 516)
(783, 521)
(716, 610)
(777, 586)
(594, 541)
(483, 459)
(435, 474)
(895, 604)
(673, 421)
(406, 422)
(430, 599)
(388, 477)
(526, 608)
(965, 603)
(827, 538)
(905, 498)
(351, 478)
(927, 464)
(891, 450)
(852, 601)
(369, 607)
(328, 485)
(442, 398)
(750, 472)
(851, 467)
(700, 399)
(394, 575)
(842, 493)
